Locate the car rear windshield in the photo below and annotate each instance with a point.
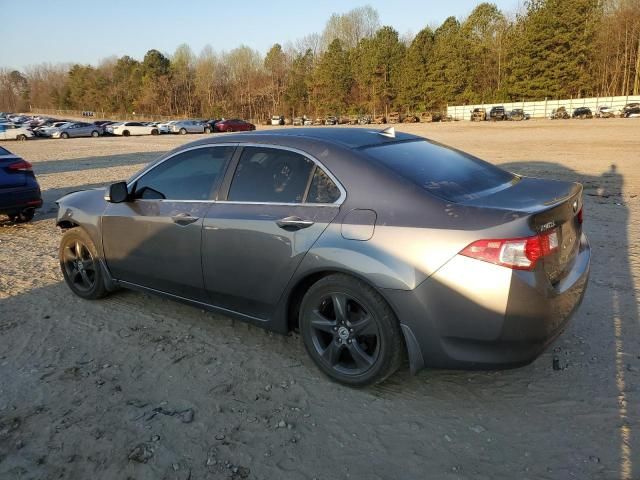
(442, 171)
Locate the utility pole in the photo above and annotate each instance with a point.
(636, 82)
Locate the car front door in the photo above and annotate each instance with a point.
(154, 240)
(274, 205)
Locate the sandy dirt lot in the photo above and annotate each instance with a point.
(140, 387)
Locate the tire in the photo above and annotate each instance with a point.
(85, 279)
(155, 132)
(126, 133)
(21, 138)
(183, 131)
(64, 135)
(24, 216)
(207, 130)
(363, 346)
(95, 134)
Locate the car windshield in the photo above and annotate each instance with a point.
(442, 171)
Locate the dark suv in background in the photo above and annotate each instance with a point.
(497, 113)
(19, 189)
(582, 112)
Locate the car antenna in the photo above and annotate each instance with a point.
(388, 132)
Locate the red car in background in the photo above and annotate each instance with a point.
(234, 125)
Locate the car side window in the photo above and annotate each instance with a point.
(322, 188)
(270, 175)
(191, 175)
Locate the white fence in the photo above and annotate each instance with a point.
(543, 108)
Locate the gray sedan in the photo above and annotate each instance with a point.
(76, 129)
(377, 246)
(189, 126)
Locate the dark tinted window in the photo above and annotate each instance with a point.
(270, 175)
(190, 175)
(322, 189)
(442, 171)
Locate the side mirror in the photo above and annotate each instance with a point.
(118, 192)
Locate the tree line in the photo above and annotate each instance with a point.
(550, 49)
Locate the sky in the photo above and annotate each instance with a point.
(87, 31)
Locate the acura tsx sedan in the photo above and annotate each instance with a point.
(377, 246)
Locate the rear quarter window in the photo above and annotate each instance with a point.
(442, 171)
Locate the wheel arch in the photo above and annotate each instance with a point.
(296, 293)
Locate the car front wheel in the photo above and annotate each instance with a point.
(80, 265)
(350, 332)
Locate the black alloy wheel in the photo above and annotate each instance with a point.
(350, 331)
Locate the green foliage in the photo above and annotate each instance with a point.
(551, 49)
(555, 49)
(332, 80)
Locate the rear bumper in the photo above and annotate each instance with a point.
(18, 199)
(472, 314)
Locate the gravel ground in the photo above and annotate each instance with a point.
(140, 387)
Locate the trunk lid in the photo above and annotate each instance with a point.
(550, 205)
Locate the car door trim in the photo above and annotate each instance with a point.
(226, 186)
(230, 168)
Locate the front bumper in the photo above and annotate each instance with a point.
(473, 314)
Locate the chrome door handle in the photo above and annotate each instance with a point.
(294, 223)
(184, 219)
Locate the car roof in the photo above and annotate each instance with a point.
(348, 137)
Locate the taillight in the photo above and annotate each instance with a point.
(20, 166)
(516, 253)
(579, 216)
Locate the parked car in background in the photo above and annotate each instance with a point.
(211, 123)
(331, 120)
(632, 112)
(108, 130)
(559, 113)
(164, 127)
(127, 129)
(11, 131)
(234, 125)
(497, 113)
(277, 120)
(478, 115)
(19, 189)
(189, 126)
(517, 114)
(604, 111)
(76, 129)
(47, 130)
(582, 112)
(452, 262)
(630, 106)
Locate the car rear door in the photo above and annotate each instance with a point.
(274, 205)
(154, 240)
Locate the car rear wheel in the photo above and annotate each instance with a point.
(21, 138)
(155, 132)
(183, 131)
(64, 135)
(350, 332)
(95, 134)
(24, 216)
(207, 130)
(80, 266)
(126, 133)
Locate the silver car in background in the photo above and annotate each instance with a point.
(76, 129)
(189, 126)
